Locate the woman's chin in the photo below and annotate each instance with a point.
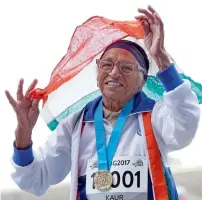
(114, 93)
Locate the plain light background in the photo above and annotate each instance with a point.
(34, 36)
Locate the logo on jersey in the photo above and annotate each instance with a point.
(94, 165)
(138, 163)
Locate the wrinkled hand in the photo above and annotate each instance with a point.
(154, 35)
(27, 112)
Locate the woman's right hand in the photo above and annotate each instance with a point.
(27, 112)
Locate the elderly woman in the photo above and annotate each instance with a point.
(118, 147)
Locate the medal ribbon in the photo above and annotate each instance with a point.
(106, 154)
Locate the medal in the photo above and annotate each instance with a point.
(103, 180)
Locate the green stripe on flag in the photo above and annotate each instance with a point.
(153, 88)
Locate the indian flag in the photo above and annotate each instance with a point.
(73, 81)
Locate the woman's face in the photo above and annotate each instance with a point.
(114, 84)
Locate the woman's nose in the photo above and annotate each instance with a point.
(115, 71)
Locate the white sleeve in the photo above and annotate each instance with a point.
(175, 119)
(50, 165)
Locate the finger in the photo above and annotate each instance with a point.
(160, 23)
(146, 27)
(141, 17)
(145, 23)
(20, 89)
(11, 99)
(151, 9)
(158, 19)
(35, 103)
(31, 87)
(147, 13)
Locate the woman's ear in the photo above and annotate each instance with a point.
(97, 80)
(142, 82)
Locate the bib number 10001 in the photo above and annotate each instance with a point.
(127, 179)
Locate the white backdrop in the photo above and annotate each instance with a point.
(34, 36)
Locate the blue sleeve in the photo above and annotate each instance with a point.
(23, 157)
(170, 78)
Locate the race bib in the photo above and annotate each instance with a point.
(130, 178)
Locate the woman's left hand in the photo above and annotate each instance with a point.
(154, 36)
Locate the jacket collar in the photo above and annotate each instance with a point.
(141, 104)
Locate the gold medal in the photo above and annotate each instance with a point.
(103, 180)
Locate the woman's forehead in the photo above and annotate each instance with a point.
(118, 54)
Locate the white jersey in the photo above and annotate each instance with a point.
(174, 120)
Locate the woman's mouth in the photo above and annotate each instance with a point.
(113, 84)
